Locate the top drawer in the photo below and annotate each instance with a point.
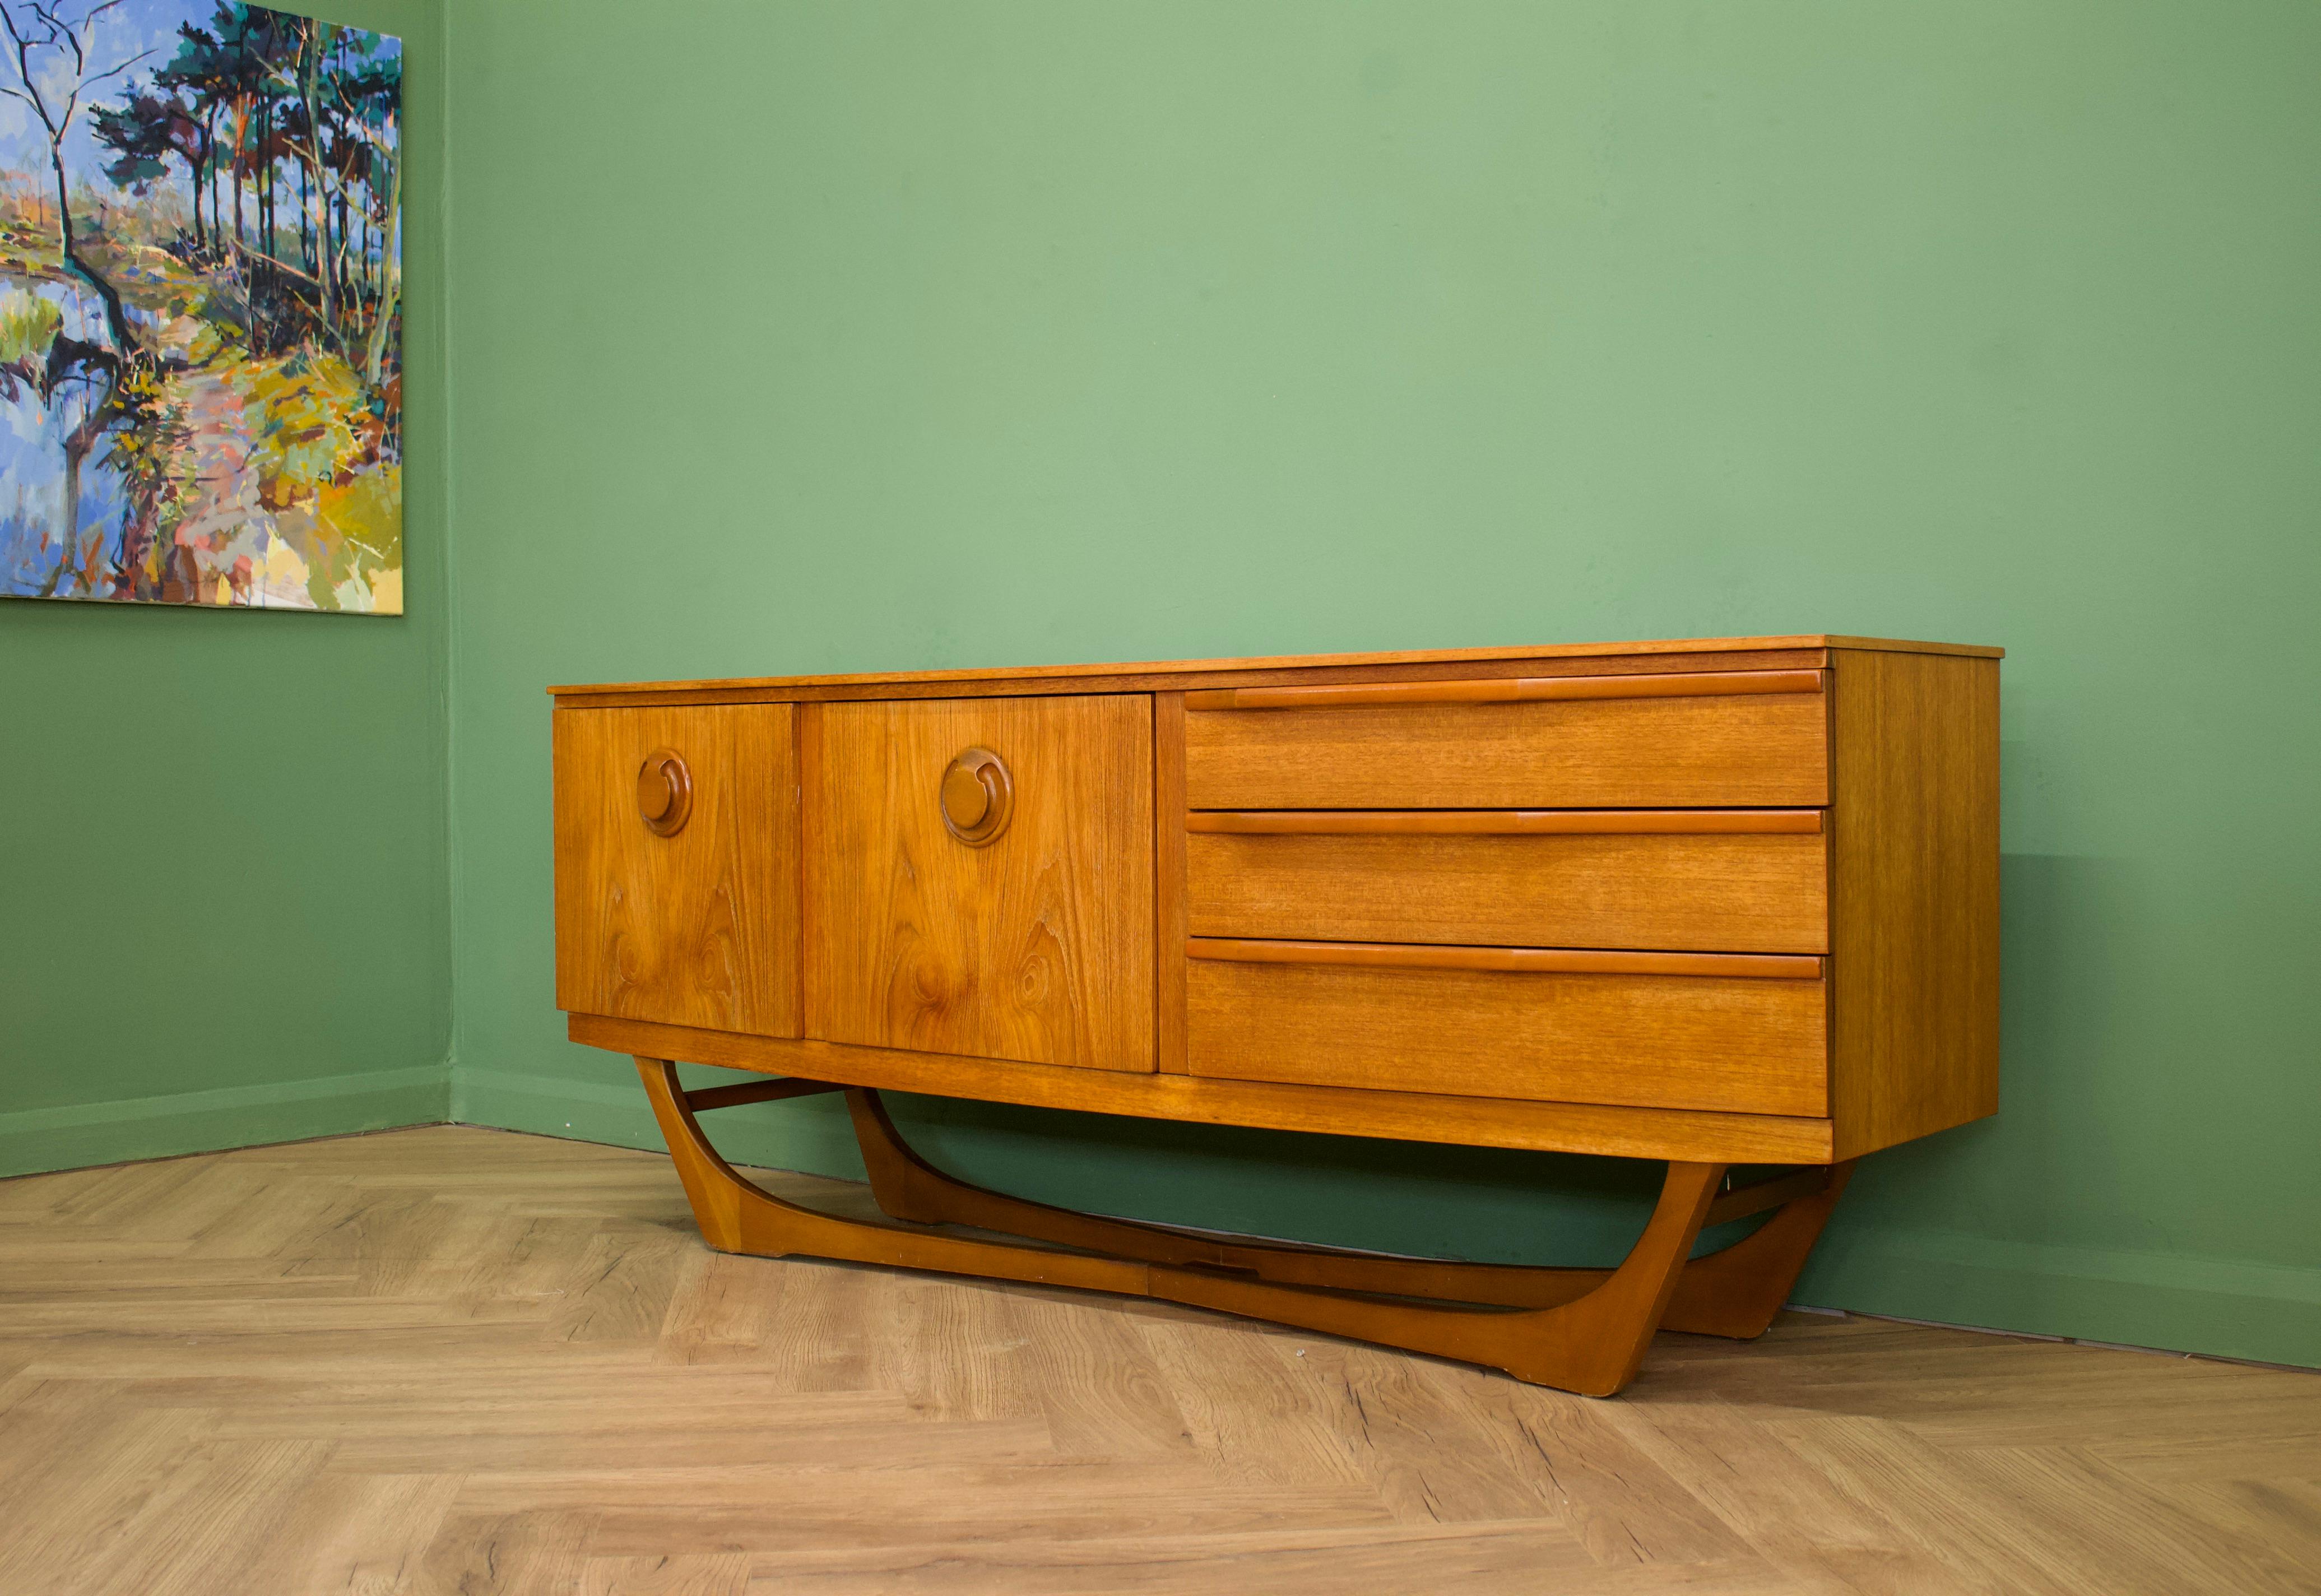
(1725, 738)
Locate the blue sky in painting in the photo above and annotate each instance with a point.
(144, 31)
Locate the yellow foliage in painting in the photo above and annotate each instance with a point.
(155, 458)
(386, 592)
(29, 323)
(360, 525)
(306, 414)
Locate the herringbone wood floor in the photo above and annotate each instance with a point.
(462, 1361)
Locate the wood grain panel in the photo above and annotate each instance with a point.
(1038, 946)
(1403, 956)
(1673, 649)
(695, 929)
(1763, 892)
(1169, 877)
(1913, 910)
(1342, 822)
(1614, 1130)
(1191, 676)
(1510, 689)
(1673, 1042)
(1765, 749)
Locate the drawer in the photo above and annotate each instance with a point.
(1753, 879)
(979, 877)
(1701, 740)
(1738, 1032)
(677, 865)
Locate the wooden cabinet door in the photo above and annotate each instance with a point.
(1034, 944)
(679, 906)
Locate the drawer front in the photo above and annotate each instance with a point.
(1502, 879)
(1033, 941)
(1617, 1034)
(677, 866)
(1746, 739)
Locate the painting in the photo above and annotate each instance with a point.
(201, 373)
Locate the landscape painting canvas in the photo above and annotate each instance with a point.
(201, 374)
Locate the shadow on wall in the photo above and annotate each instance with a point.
(2036, 1170)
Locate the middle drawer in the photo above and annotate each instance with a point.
(1703, 880)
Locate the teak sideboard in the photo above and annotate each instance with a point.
(1722, 903)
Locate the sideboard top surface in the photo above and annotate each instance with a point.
(1211, 668)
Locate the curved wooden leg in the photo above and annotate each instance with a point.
(907, 1187)
(738, 1216)
(1587, 1329)
(1736, 1291)
(1581, 1329)
(1592, 1345)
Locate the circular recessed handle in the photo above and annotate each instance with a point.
(664, 792)
(978, 797)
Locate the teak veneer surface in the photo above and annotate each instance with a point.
(1427, 955)
(1139, 680)
(1914, 912)
(1342, 822)
(1172, 904)
(1510, 689)
(1425, 1115)
(1675, 647)
(1717, 752)
(700, 928)
(1697, 891)
(1747, 1044)
(1038, 947)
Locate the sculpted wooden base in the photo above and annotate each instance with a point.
(1582, 1330)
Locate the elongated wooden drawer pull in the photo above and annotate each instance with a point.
(1387, 956)
(1499, 822)
(1528, 689)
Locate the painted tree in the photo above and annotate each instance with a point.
(201, 72)
(251, 95)
(50, 52)
(144, 131)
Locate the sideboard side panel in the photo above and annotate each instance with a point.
(1914, 895)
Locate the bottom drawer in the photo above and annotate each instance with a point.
(1738, 1032)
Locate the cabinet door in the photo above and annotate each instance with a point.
(677, 865)
(1033, 942)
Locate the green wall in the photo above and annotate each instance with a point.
(844, 334)
(224, 911)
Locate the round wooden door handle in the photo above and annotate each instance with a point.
(664, 792)
(978, 797)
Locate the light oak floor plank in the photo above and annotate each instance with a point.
(451, 1360)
